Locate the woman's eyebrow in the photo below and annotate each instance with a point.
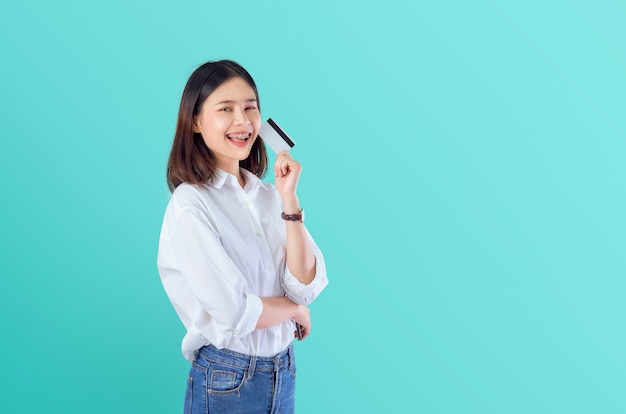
(231, 101)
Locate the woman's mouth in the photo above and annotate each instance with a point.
(240, 138)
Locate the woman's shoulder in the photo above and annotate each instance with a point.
(186, 191)
(190, 197)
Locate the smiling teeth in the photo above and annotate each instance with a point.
(238, 136)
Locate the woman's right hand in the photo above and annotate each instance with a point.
(303, 317)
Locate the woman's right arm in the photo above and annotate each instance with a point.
(279, 309)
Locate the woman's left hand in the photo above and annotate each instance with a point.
(286, 173)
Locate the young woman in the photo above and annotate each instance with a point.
(235, 258)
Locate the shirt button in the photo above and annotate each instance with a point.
(246, 202)
(270, 268)
(259, 235)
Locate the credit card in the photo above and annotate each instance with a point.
(275, 137)
(299, 330)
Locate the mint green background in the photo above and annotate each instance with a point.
(464, 175)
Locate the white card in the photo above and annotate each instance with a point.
(274, 136)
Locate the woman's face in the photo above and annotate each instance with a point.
(229, 122)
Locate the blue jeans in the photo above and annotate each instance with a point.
(223, 381)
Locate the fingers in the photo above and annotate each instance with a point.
(303, 331)
(285, 164)
(303, 319)
(281, 166)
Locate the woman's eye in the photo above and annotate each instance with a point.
(250, 108)
(225, 109)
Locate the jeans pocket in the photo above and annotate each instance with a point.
(224, 379)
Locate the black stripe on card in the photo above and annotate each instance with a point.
(280, 132)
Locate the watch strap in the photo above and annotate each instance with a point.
(292, 217)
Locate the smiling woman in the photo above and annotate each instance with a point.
(229, 122)
(205, 103)
(235, 258)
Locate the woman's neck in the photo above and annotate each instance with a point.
(234, 170)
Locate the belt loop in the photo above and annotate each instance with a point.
(277, 363)
(290, 352)
(251, 367)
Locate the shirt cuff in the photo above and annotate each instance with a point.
(251, 315)
(303, 294)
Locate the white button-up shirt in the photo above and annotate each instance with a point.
(222, 248)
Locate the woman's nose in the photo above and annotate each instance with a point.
(241, 118)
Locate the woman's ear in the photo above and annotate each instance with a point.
(196, 128)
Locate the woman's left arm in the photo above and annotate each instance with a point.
(300, 257)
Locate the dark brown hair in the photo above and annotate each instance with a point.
(191, 161)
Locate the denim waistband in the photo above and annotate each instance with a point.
(252, 363)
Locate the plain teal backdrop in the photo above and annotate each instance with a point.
(464, 174)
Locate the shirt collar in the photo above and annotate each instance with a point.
(221, 176)
(219, 179)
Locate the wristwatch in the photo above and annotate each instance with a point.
(299, 216)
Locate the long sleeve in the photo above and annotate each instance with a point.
(215, 281)
(195, 268)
